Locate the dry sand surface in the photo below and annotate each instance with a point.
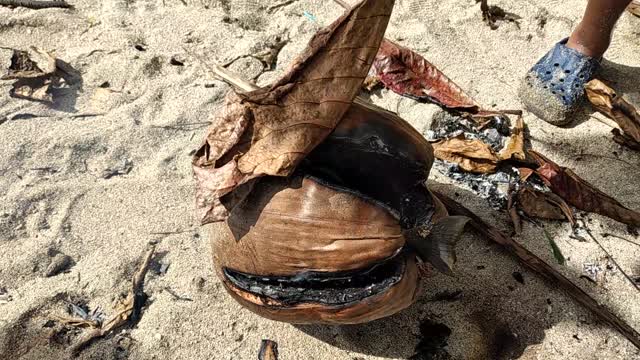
(106, 170)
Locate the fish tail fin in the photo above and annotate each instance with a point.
(436, 245)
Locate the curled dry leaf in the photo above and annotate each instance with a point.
(545, 205)
(515, 147)
(270, 130)
(409, 74)
(604, 99)
(579, 193)
(34, 71)
(268, 350)
(471, 155)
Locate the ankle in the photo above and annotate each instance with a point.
(589, 41)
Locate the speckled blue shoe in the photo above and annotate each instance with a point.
(554, 87)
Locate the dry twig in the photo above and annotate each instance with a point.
(35, 4)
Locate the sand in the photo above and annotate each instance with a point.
(106, 170)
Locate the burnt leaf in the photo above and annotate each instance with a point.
(471, 155)
(269, 131)
(607, 101)
(405, 72)
(544, 205)
(268, 350)
(579, 193)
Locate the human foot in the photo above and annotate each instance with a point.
(554, 87)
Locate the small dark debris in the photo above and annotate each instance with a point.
(518, 276)
(588, 278)
(548, 301)
(163, 268)
(49, 324)
(59, 263)
(105, 85)
(434, 337)
(140, 47)
(447, 295)
(176, 62)
(124, 169)
(239, 338)
(575, 336)
(480, 267)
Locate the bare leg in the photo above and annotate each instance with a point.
(593, 35)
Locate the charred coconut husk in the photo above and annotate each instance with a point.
(324, 199)
(329, 244)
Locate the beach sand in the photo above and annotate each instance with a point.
(106, 170)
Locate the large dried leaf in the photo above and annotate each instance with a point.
(270, 130)
(545, 205)
(605, 100)
(579, 193)
(514, 149)
(409, 74)
(471, 155)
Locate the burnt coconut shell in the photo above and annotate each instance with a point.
(329, 243)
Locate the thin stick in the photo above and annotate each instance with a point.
(540, 267)
(35, 4)
(225, 75)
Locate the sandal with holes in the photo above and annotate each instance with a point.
(554, 87)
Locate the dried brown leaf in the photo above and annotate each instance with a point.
(579, 193)
(270, 130)
(545, 205)
(607, 101)
(471, 155)
(514, 149)
(268, 350)
(31, 63)
(525, 173)
(513, 212)
(409, 74)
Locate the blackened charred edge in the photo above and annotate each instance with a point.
(326, 288)
(333, 184)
